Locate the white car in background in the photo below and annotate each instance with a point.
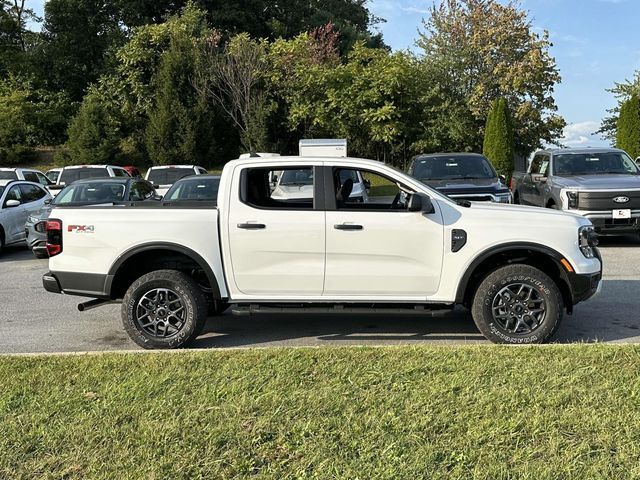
(163, 176)
(18, 199)
(28, 174)
(53, 174)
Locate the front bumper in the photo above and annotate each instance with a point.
(605, 224)
(585, 285)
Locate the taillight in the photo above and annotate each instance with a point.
(54, 236)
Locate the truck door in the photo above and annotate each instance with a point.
(276, 237)
(375, 247)
(532, 193)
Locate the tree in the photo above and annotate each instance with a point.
(234, 81)
(77, 38)
(15, 38)
(498, 138)
(179, 127)
(484, 50)
(374, 99)
(93, 133)
(628, 127)
(622, 91)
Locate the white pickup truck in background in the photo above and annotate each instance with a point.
(406, 249)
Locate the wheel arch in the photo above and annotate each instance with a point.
(542, 257)
(155, 256)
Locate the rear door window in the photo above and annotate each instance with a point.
(8, 175)
(168, 176)
(70, 175)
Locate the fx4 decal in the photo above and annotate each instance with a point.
(81, 228)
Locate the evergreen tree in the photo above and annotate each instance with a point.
(93, 134)
(498, 138)
(179, 128)
(628, 127)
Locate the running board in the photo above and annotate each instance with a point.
(366, 309)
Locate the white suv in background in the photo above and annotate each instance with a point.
(70, 174)
(28, 174)
(163, 176)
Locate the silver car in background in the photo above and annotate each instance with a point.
(18, 199)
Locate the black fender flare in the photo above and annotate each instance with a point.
(506, 247)
(196, 257)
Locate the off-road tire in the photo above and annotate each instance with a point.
(488, 290)
(191, 297)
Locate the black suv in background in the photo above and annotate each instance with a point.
(461, 176)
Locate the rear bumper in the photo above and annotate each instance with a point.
(50, 283)
(82, 284)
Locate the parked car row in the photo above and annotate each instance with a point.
(26, 205)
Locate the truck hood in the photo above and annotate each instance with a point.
(599, 182)
(524, 211)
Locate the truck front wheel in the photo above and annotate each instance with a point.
(164, 309)
(517, 304)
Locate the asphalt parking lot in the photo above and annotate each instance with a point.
(32, 320)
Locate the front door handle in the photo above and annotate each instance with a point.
(348, 226)
(252, 226)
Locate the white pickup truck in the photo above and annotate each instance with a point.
(406, 249)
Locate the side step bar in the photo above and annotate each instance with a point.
(340, 309)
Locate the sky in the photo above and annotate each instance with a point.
(594, 43)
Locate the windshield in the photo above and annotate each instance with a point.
(594, 164)
(194, 189)
(70, 175)
(168, 176)
(303, 176)
(8, 175)
(91, 193)
(453, 168)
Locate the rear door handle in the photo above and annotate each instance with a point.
(252, 226)
(348, 226)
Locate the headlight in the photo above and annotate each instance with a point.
(572, 199)
(587, 241)
(503, 198)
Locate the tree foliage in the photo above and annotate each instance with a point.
(628, 127)
(498, 138)
(622, 91)
(484, 50)
(93, 133)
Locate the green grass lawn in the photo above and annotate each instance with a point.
(489, 412)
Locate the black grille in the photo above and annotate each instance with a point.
(604, 200)
(476, 198)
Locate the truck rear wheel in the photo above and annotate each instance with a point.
(164, 309)
(517, 304)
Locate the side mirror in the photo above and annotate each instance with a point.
(503, 179)
(12, 203)
(419, 202)
(48, 201)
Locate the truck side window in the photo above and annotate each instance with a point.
(364, 190)
(536, 164)
(289, 188)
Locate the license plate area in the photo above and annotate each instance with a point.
(624, 213)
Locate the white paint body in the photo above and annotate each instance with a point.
(398, 256)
